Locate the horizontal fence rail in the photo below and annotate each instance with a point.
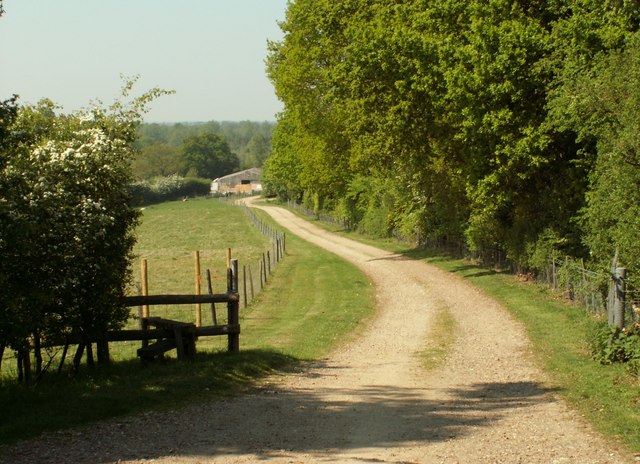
(141, 300)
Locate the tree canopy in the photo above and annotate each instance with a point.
(488, 123)
(160, 145)
(207, 155)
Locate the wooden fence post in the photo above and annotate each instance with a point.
(196, 272)
(244, 284)
(213, 305)
(251, 283)
(269, 261)
(233, 307)
(264, 264)
(144, 281)
(611, 297)
(620, 297)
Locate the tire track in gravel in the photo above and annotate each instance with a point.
(370, 401)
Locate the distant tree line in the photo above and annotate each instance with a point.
(205, 150)
(509, 125)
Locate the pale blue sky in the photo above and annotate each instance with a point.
(211, 52)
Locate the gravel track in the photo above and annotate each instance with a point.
(370, 401)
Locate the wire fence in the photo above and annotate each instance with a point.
(596, 290)
(254, 276)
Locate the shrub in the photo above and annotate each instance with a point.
(614, 345)
(169, 188)
(66, 225)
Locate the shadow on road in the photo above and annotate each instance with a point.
(271, 422)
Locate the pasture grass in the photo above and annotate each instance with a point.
(313, 302)
(170, 233)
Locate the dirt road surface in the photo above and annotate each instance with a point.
(371, 401)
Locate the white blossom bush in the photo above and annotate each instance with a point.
(66, 224)
(160, 189)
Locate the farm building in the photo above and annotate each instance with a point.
(246, 181)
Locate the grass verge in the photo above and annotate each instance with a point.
(316, 302)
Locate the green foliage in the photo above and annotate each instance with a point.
(612, 345)
(548, 246)
(207, 155)
(160, 144)
(66, 226)
(281, 174)
(160, 159)
(371, 203)
(609, 98)
(161, 189)
(490, 122)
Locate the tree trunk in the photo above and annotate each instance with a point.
(20, 368)
(77, 358)
(24, 366)
(2, 345)
(63, 357)
(37, 352)
(103, 351)
(90, 360)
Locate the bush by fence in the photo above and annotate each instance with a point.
(160, 189)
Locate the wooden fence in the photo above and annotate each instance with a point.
(160, 334)
(168, 334)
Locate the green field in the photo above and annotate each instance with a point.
(170, 233)
(289, 322)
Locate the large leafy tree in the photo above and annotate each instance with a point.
(594, 99)
(477, 119)
(159, 159)
(601, 105)
(281, 174)
(301, 69)
(207, 155)
(9, 301)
